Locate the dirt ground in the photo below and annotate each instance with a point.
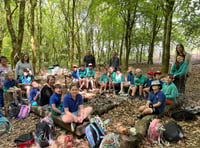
(123, 117)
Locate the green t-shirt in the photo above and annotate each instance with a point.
(141, 79)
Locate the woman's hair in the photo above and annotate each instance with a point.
(3, 57)
(184, 53)
(22, 57)
(50, 76)
(7, 74)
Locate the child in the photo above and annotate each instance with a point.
(90, 76)
(55, 100)
(139, 81)
(170, 90)
(74, 111)
(25, 80)
(10, 86)
(148, 83)
(118, 82)
(156, 101)
(178, 71)
(74, 74)
(34, 94)
(112, 78)
(157, 76)
(82, 75)
(104, 79)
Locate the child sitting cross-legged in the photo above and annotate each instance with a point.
(75, 74)
(111, 78)
(34, 94)
(170, 90)
(156, 101)
(82, 75)
(104, 79)
(74, 111)
(118, 82)
(56, 101)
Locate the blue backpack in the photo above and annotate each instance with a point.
(95, 132)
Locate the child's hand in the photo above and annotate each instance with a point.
(75, 119)
(135, 79)
(38, 93)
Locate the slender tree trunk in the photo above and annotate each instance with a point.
(33, 4)
(168, 14)
(2, 28)
(16, 40)
(121, 49)
(40, 36)
(141, 52)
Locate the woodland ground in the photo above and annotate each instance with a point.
(123, 117)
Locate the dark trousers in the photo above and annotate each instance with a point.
(180, 83)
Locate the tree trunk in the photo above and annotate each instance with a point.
(168, 14)
(121, 49)
(40, 36)
(16, 40)
(33, 4)
(2, 28)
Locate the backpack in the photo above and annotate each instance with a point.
(110, 141)
(24, 111)
(173, 132)
(4, 125)
(13, 109)
(193, 109)
(24, 140)
(95, 132)
(44, 132)
(155, 132)
(183, 115)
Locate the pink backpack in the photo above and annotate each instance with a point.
(155, 132)
(24, 111)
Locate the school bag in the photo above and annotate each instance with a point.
(4, 125)
(173, 132)
(193, 109)
(24, 140)
(155, 132)
(110, 141)
(13, 109)
(24, 111)
(183, 115)
(95, 132)
(44, 132)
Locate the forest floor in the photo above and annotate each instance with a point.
(122, 118)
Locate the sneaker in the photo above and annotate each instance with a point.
(114, 93)
(80, 89)
(121, 92)
(73, 126)
(140, 116)
(132, 97)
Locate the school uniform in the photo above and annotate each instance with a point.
(140, 80)
(33, 93)
(75, 75)
(104, 78)
(130, 78)
(170, 92)
(82, 73)
(55, 99)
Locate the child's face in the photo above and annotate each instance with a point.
(168, 80)
(35, 84)
(138, 74)
(150, 76)
(11, 76)
(155, 87)
(75, 68)
(118, 71)
(90, 67)
(179, 59)
(51, 81)
(25, 73)
(58, 90)
(82, 67)
(74, 91)
(105, 71)
(157, 76)
(111, 69)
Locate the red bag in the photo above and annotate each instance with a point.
(25, 140)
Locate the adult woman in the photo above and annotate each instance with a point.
(23, 64)
(47, 90)
(4, 68)
(180, 50)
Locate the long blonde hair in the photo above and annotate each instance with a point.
(7, 74)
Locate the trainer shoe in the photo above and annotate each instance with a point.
(73, 126)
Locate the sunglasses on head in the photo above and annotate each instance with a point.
(74, 67)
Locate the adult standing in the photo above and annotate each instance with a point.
(89, 59)
(4, 68)
(114, 61)
(23, 64)
(47, 90)
(180, 50)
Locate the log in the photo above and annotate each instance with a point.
(142, 125)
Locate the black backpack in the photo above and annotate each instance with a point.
(173, 132)
(183, 115)
(13, 109)
(43, 134)
(24, 140)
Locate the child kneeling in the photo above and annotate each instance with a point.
(156, 101)
(74, 111)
